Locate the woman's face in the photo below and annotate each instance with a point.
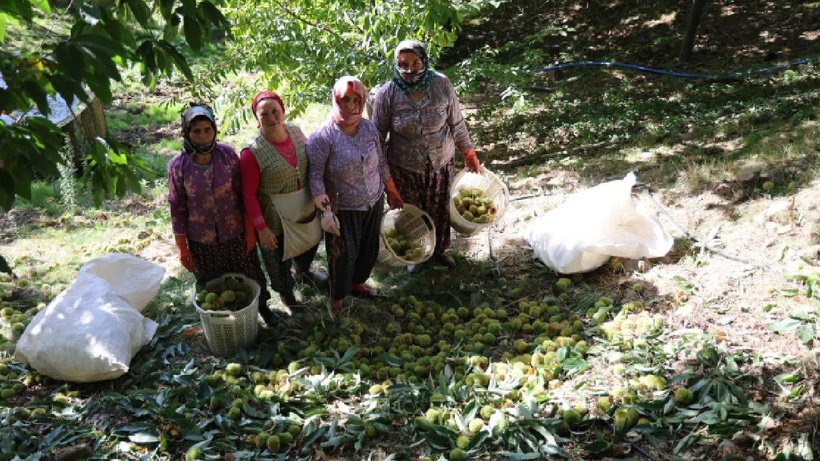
(269, 113)
(409, 61)
(201, 132)
(351, 103)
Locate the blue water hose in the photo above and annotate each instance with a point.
(672, 73)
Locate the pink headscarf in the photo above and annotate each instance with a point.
(344, 86)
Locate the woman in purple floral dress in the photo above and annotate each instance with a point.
(206, 207)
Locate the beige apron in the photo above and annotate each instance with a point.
(300, 222)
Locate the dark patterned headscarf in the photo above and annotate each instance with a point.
(197, 112)
(420, 79)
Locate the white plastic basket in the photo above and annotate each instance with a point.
(491, 187)
(416, 226)
(228, 331)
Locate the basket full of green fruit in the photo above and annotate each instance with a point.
(477, 200)
(228, 307)
(407, 237)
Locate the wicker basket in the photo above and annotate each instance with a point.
(416, 226)
(491, 186)
(229, 331)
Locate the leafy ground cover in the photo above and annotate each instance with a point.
(708, 353)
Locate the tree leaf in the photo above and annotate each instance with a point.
(18, 8)
(519, 455)
(189, 7)
(786, 325)
(141, 11)
(146, 51)
(574, 365)
(597, 447)
(808, 333)
(4, 265)
(179, 60)
(478, 439)
(23, 175)
(193, 32)
(3, 17)
(102, 88)
(70, 59)
(41, 5)
(166, 7)
(99, 43)
(143, 438)
(314, 436)
(118, 32)
(212, 14)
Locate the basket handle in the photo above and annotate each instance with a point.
(480, 170)
(219, 315)
(427, 221)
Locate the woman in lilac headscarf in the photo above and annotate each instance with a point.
(348, 178)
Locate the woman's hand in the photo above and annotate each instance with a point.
(185, 257)
(250, 234)
(393, 196)
(322, 203)
(330, 223)
(267, 240)
(471, 161)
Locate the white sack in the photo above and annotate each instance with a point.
(131, 278)
(593, 225)
(89, 332)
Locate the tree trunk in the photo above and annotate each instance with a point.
(83, 127)
(691, 29)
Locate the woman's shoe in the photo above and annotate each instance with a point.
(309, 276)
(269, 317)
(289, 300)
(360, 290)
(445, 259)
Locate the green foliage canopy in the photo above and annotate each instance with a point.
(300, 47)
(102, 37)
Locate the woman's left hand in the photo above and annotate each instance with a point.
(471, 161)
(330, 223)
(250, 234)
(267, 240)
(393, 196)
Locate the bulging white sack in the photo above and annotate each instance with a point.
(131, 278)
(89, 332)
(595, 224)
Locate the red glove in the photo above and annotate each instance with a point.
(250, 234)
(184, 253)
(471, 161)
(393, 196)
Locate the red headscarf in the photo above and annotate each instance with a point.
(262, 95)
(344, 86)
